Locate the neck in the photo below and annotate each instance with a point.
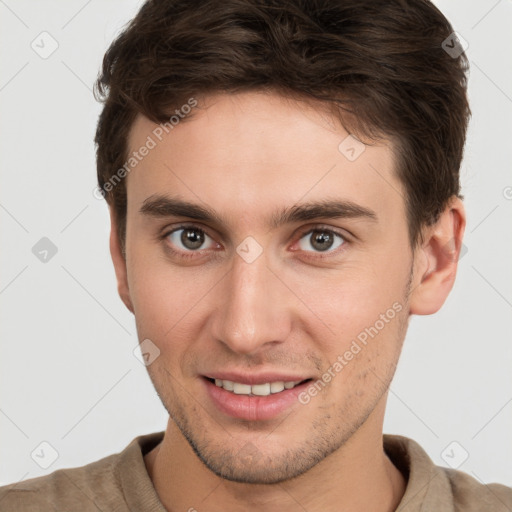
(357, 477)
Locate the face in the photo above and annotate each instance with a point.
(259, 252)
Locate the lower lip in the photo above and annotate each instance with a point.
(253, 408)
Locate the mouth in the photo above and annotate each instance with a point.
(253, 402)
(264, 389)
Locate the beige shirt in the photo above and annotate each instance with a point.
(120, 482)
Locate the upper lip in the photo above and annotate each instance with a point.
(256, 378)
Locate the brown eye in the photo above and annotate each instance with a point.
(192, 238)
(320, 240)
(189, 239)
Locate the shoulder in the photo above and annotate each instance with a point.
(117, 482)
(82, 488)
(440, 489)
(469, 494)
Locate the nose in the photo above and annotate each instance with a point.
(254, 307)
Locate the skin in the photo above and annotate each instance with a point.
(246, 156)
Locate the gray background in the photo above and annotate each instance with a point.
(68, 373)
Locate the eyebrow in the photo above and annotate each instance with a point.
(159, 206)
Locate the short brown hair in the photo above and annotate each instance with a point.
(378, 63)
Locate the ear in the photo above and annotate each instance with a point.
(436, 260)
(119, 261)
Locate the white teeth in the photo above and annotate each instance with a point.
(276, 387)
(229, 385)
(241, 389)
(257, 389)
(261, 389)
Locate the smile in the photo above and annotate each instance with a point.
(264, 389)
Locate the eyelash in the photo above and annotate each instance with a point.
(302, 234)
(182, 255)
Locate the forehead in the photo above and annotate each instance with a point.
(243, 153)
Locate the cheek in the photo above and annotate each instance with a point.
(360, 363)
(348, 302)
(358, 326)
(167, 300)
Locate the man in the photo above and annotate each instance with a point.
(283, 184)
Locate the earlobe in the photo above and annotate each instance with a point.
(437, 259)
(119, 261)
